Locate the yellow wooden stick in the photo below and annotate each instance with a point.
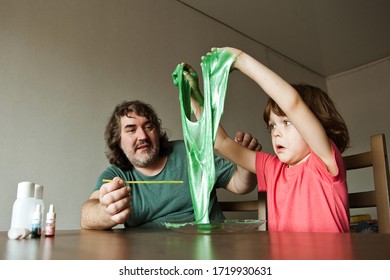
(147, 182)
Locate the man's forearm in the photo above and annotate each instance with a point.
(94, 217)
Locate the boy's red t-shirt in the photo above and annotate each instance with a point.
(304, 198)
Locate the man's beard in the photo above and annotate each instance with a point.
(147, 158)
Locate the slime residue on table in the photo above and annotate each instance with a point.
(199, 136)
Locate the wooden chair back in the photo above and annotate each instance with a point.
(378, 195)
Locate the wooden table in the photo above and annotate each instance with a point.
(147, 244)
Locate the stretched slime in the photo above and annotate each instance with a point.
(199, 136)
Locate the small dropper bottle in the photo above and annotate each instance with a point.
(38, 195)
(50, 227)
(36, 225)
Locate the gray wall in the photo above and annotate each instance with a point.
(64, 65)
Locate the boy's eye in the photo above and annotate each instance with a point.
(271, 127)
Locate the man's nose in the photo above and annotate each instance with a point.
(141, 134)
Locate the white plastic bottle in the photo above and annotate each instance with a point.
(22, 211)
(38, 195)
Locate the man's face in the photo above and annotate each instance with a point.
(139, 140)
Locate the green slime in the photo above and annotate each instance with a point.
(199, 137)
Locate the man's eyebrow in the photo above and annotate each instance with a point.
(129, 125)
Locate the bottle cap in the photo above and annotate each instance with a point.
(51, 215)
(38, 191)
(37, 213)
(25, 189)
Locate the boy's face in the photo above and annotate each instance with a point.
(287, 143)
